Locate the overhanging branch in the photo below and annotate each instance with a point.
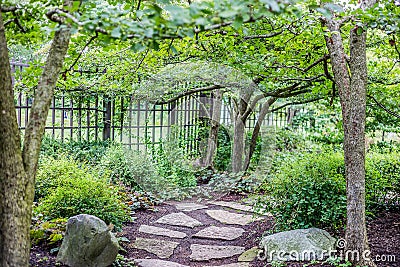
(296, 103)
(190, 92)
(394, 114)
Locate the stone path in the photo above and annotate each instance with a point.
(204, 234)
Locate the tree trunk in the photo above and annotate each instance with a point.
(238, 144)
(18, 169)
(256, 131)
(15, 210)
(214, 128)
(352, 84)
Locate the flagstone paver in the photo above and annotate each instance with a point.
(232, 205)
(161, 231)
(157, 263)
(241, 207)
(179, 219)
(161, 248)
(225, 233)
(208, 252)
(190, 206)
(215, 239)
(227, 217)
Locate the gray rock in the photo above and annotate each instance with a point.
(179, 219)
(190, 206)
(227, 217)
(88, 242)
(298, 245)
(249, 255)
(162, 249)
(161, 231)
(208, 252)
(157, 263)
(224, 233)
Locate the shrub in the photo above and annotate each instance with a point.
(53, 173)
(382, 181)
(158, 173)
(172, 165)
(65, 189)
(131, 168)
(311, 190)
(89, 152)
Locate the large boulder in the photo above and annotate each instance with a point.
(88, 242)
(297, 245)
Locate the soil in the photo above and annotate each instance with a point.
(383, 233)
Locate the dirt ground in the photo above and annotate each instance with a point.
(383, 232)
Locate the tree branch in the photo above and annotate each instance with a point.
(296, 103)
(5, 9)
(384, 108)
(304, 70)
(43, 96)
(80, 54)
(190, 92)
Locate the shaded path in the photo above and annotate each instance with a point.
(182, 234)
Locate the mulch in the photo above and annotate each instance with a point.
(383, 233)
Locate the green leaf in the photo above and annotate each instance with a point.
(116, 32)
(228, 13)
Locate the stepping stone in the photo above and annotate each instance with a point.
(208, 252)
(225, 233)
(249, 255)
(232, 205)
(161, 231)
(239, 264)
(157, 263)
(227, 217)
(179, 219)
(190, 206)
(238, 206)
(162, 249)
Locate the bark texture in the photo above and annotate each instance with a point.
(256, 131)
(350, 77)
(15, 210)
(17, 169)
(243, 108)
(213, 134)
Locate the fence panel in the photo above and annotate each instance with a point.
(135, 123)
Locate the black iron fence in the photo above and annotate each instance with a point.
(133, 122)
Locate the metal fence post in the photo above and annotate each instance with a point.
(107, 119)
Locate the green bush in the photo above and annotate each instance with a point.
(53, 173)
(65, 189)
(172, 165)
(84, 151)
(382, 181)
(309, 192)
(311, 189)
(131, 168)
(164, 170)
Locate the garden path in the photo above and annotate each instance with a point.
(194, 234)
